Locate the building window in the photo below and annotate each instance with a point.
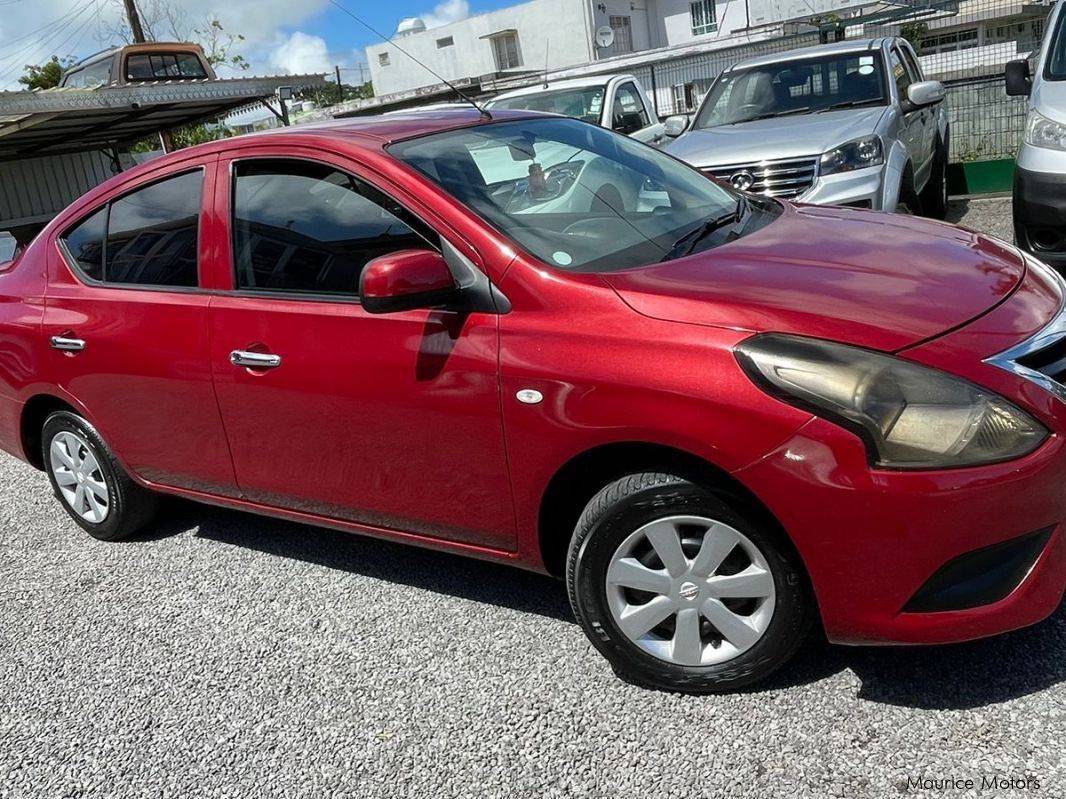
(949, 42)
(703, 19)
(383, 59)
(505, 50)
(447, 41)
(623, 36)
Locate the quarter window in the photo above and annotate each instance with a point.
(304, 227)
(149, 237)
(85, 243)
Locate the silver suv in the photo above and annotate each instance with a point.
(851, 123)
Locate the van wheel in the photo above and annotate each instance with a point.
(682, 592)
(935, 193)
(90, 484)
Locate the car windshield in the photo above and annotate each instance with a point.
(585, 103)
(1055, 66)
(580, 197)
(794, 87)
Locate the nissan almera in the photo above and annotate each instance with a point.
(721, 418)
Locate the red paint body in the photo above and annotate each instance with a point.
(406, 425)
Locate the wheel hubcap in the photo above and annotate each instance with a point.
(79, 477)
(690, 590)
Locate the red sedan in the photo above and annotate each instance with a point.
(720, 417)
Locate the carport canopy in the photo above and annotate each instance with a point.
(68, 120)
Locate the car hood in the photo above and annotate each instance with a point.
(779, 137)
(871, 279)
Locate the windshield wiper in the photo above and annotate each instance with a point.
(849, 104)
(687, 244)
(770, 114)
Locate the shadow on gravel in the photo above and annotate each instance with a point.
(936, 678)
(957, 209)
(403, 564)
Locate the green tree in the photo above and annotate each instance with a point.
(47, 75)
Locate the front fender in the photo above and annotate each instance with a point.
(895, 167)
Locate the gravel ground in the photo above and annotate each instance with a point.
(227, 655)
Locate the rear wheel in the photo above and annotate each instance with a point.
(681, 591)
(89, 482)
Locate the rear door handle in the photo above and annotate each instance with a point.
(255, 360)
(66, 344)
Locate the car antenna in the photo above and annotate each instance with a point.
(485, 115)
(546, 43)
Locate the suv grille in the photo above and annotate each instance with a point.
(785, 178)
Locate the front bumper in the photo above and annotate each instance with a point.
(1040, 214)
(860, 188)
(874, 541)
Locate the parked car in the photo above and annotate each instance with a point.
(617, 102)
(850, 123)
(140, 63)
(1040, 170)
(722, 419)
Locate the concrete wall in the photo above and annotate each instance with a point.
(558, 25)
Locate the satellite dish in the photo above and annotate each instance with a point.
(604, 36)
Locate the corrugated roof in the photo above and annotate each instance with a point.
(64, 120)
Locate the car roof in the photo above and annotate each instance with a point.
(137, 47)
(814, 51)
(372, 132)
(571, 83)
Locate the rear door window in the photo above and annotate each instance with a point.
(85, 244)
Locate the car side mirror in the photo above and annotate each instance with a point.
(1018, 79)
(674, 126)
(925, 93)
(407, 279)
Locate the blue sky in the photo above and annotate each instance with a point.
(281, 36)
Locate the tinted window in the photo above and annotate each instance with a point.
(85, 243)
(583, 103)
(98, 74)
(164, 66)
(8, 247)
(306, 227)
(152, 234)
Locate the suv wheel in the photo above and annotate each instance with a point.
(88, 481)
(935, 193)
(679, 591)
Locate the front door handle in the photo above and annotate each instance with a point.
(255, 360)
(67, 344)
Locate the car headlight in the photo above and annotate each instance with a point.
(909, 416)
(858, 154)
(1043, 132)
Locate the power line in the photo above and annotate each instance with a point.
(12, 63)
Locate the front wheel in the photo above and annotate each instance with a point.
(680, 591)
(89, 482)
(935, 194)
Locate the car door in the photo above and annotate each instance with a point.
(127, 320)
(928, 115)
(912, 128)
(629, 115)
(387, 420)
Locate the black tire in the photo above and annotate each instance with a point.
(909, 202)
(128, 507)
(935, 194)
(610, 519)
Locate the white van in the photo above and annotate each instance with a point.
(1040, 172)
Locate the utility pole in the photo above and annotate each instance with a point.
(340, 89)
(135, 21)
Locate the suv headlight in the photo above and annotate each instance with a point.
(858, 154)
(909, 416)
(1043, 132)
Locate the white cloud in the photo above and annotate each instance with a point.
(301, 54)
(446, 12)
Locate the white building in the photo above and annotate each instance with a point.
(552, 34)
